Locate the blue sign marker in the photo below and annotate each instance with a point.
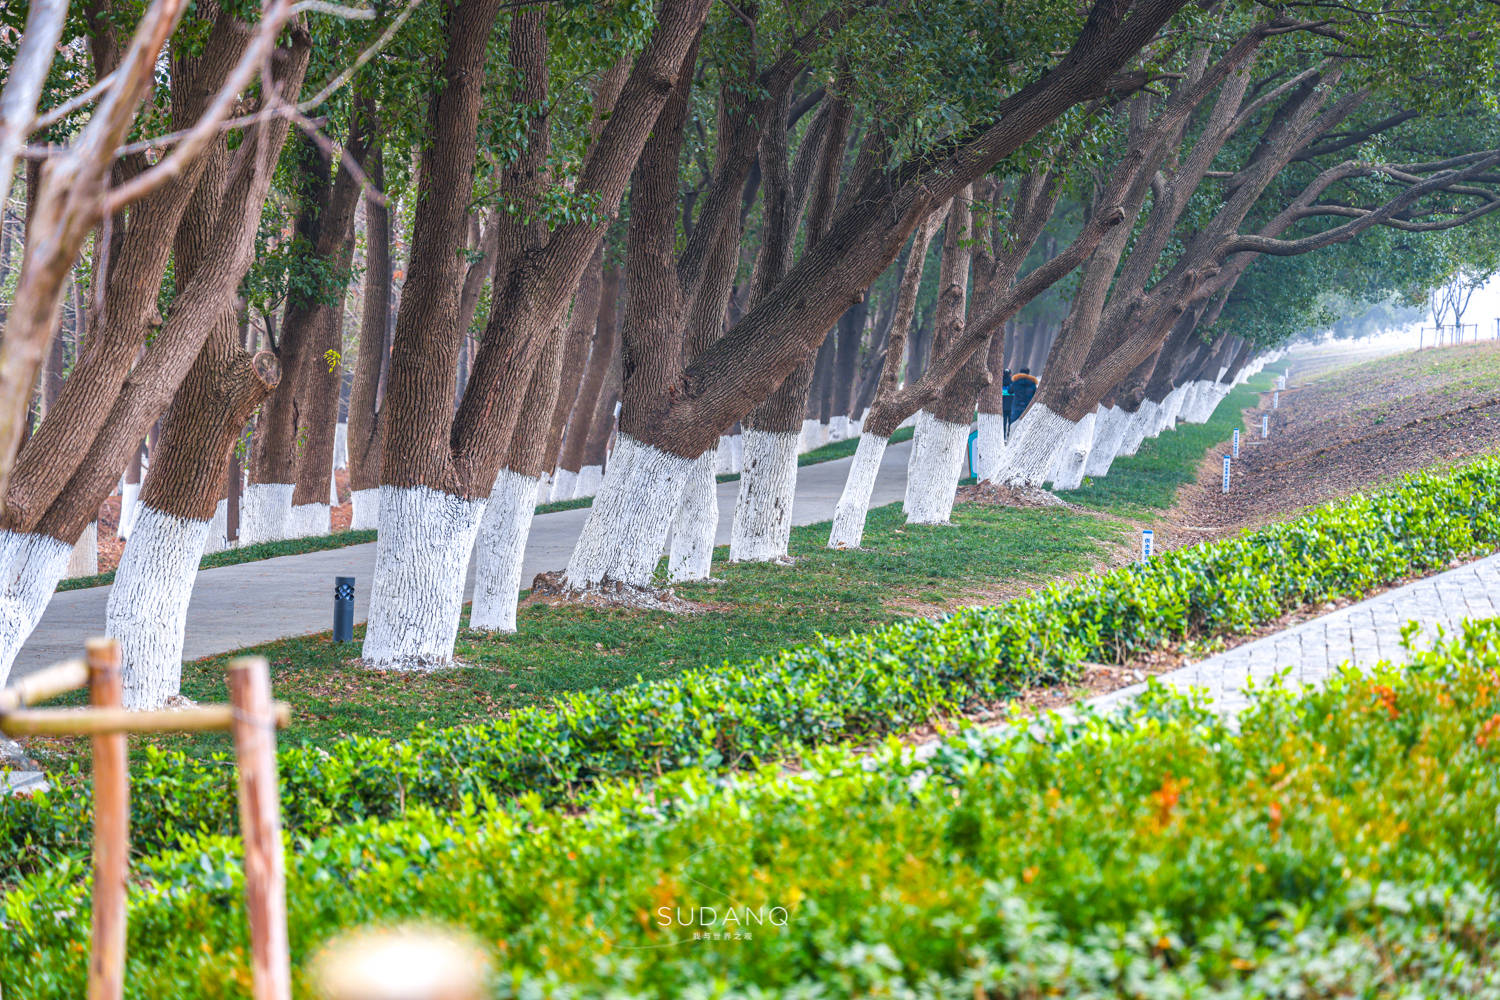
(1265, 425)
(1236, 442)
(1276, 400)
(1226, 473)
(1147, 537)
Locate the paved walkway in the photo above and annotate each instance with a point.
(237, 606)
(1362, 634)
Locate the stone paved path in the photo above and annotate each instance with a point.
(1362, 634)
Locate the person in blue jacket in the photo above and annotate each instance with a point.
(1022, 388)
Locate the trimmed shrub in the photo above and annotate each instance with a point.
(1340, 843)
(834, 689)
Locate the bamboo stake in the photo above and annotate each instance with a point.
(49, 682)
(91, 721)
(260, 826)
(111, 827)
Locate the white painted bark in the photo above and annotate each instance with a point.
(341, 446)
(1142, 421)
(838, 429)
(499, 550)
(84, 559)
(854, 503)
(696, 524)
(1073, 457)
(809, 439)
(30, 567)
(333, 488)
(736, 452)
(990, 447)
(564, 483)
(218, 529)
(265, 512)
(857, 426)
(366, 513)
(932, 474)
(1035, 442)
(130, 495)
(309, 520)
(626, 530)
(1166, 416)
(589, 478)
(421, 560)
(910, 421)
(724, 456)
(147, 608)
(763, 510)
(1109, 428)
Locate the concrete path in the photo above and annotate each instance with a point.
(1361, 634)
(237, 606)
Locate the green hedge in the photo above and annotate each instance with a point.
(834, 689)
(1339, 843)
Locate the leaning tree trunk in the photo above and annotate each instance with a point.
(147, 608)
(590, 395)
(501, 546)
(374, 337)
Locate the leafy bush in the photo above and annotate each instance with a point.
(852, 687)
(1339, 843)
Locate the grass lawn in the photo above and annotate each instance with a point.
(1147, 481)
(986, 556)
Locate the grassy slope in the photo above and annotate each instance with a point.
(297, 546)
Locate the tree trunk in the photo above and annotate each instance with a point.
(374, 330)
(590, 394)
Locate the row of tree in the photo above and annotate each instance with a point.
(698, 216)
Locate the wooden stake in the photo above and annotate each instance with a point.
(49, 682)
(260, 826)
(91, 721)
(111, 828)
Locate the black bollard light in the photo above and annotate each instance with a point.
(343, 609)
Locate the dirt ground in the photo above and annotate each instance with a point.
(1343, 428)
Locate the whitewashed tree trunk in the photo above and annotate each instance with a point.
(854, 503)
(626, 530)
(990, 446)
(762, 528)
(1109, 428)
(366, 513)
(933, 471)
(807, 442)
(265, 512)
(333, 488)
(1035, 442)
(84, 559)
(218, 529)
(589, 478)
(1140, 423)
(421, 560)
(1072, 458)
(724, 456)
(30, 568)
(736, 452)
(341, 446)
(309, 520)
(130, 494)
(499, 551)
(147, 608)
(838, 429)
(1170, 408)
(564, 485)
(696, 523)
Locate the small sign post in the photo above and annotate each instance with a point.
(1276, 400)
(1265, 425)
(1226, 473)
(1236, 442)
(1147, 538)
